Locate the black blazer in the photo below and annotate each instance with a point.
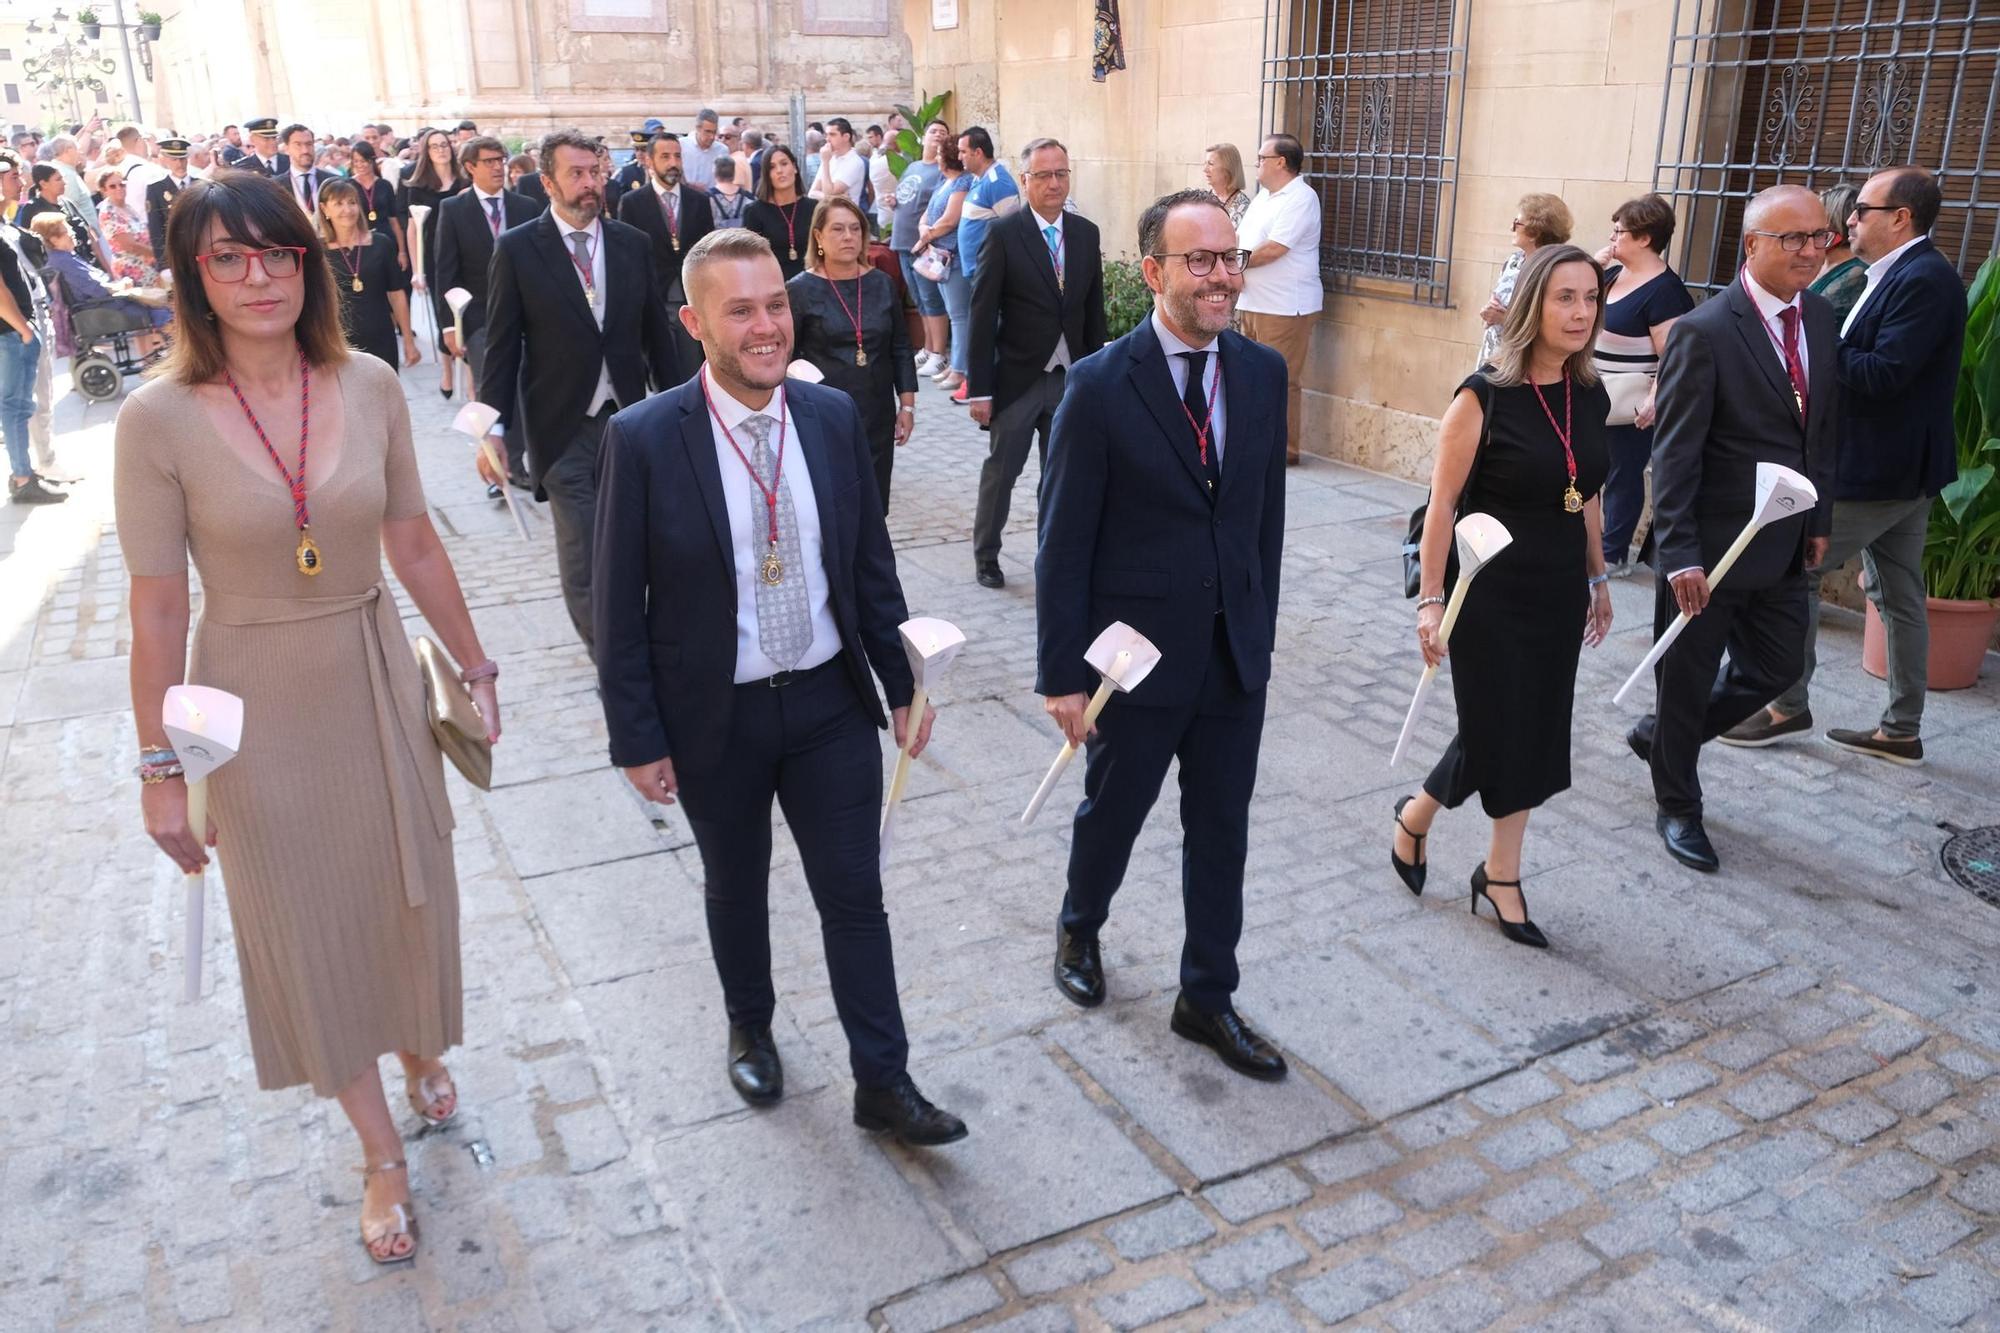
(465, 251)
(158, 196)
(1898, 375)
(542, 339)
(1129, 531)
(530, 187)
(314, 176)
(641, 208)
(1724, 405)
(1018, 312)
(663, 581)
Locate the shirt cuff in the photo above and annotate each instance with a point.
(1685, 569)
(983, 398)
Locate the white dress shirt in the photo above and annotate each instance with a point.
(750, 529)
(1876, 272)
(486, 214)
(1770, 307)
(1177, 366)
(849, 168)
(1060, 359)
(1289, 284)
(698, 163)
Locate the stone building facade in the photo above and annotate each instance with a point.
(525, 66)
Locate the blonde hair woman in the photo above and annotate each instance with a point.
(332, 823)
(1222, 168)
(1524, 441)
(1539, 220)
(373, 304)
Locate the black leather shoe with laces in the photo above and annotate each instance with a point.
(1229, 1037)
(906, 1113)
(1079, 969)
(754, 1068)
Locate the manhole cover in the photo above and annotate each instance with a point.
(1972, 857)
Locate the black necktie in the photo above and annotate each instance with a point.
(1195, 399)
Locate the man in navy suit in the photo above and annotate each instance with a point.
(744, 587)
(1899, 355)
(1164, 508)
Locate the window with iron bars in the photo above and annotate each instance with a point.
(1821, 92)
(1374, 91)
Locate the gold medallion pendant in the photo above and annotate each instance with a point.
(308, 556)
(793, 253)
(357, 282)
(773, 569)
(1572, 502)
(860, 356)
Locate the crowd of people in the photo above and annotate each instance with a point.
(702, 362)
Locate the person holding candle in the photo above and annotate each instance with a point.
(436, 177)
(1524, 441)
(849, 325)
(332, 823)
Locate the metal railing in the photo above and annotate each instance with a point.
(1375, 92)
(1817, 92)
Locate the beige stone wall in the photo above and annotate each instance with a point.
(1562, 95)
(523, 66)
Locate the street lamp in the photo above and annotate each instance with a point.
(69, 68)
(148, 32)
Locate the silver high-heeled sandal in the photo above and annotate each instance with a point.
(404, 1221)
(426, 1092)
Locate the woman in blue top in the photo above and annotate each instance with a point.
(940, 233)
(914, 192)
(1642, 299)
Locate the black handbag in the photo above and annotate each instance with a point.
(1413, 564)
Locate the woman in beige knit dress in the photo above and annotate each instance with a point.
(332, 824)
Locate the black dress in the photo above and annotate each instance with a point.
(412, 196)
(1515, 646)
(787, 228)
(370, 324)
(823, 333)
(383, 211)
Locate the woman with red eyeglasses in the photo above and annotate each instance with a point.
(284, 465)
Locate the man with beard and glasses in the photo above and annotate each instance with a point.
(745, 588)
(1164, 508)
(572, 327)
(674, 215)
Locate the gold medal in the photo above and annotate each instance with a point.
(371, 215)
(357, 282)
(860, 356)
(773, 569)
(793, 253)
(307, 555)
(1572, 502)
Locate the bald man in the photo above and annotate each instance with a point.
(1751, 376)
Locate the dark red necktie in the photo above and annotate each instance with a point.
(1794, 367)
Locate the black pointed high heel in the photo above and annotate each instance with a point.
(1412, 873)
(1526, 932)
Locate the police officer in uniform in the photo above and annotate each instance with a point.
(264, 154)
(160, 194)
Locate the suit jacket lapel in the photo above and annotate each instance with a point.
(1236, 401)
(1756, 335)
(556, 254)
(811, 443)
(1155, 387)
(699, 439)
(1041, 257)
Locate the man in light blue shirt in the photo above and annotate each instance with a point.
(993, 196)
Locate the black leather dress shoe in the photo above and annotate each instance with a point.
(906, 1113)
(493, 492)
(1687, 842)
(1640, 738)
(990, 576)
(520, 481)
(1079, 969)
(754, 1068)
(1229, 1037)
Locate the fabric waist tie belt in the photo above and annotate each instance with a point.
(398, 732)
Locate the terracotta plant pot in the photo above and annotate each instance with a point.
(1960, 633)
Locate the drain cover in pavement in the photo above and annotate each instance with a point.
(1972, 857)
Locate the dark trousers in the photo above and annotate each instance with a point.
(571, 487)
(1216, 738)
(812, 746)
(1764, 631)
(1624, 489)
(1013, 429)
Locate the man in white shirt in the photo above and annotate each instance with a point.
(1282, 294)
(842, 170)
(699, 153)
(737, 633)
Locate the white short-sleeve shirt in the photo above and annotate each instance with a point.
(1290, 284)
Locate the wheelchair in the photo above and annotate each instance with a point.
(96, 339)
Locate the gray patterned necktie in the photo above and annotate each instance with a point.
(784, 622)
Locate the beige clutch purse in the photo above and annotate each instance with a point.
(1627, 390)
(455, 721)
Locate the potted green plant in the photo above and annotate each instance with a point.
(149, 25)
(1962, 546)
(86, 19)
(1127, 298)
(908, 145)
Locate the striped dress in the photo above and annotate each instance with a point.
(1626, 344)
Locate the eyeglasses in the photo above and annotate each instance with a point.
(1791, 242)
(1269, 157)
(1201, 263)
(280, 261)
(488, 161)
(1060, 175)
(1865, 209)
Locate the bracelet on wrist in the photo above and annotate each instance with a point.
(1597, 580)
(152, 774)
(487, 670)
(1423, 602)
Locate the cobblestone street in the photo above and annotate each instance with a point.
(1764, 1100)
